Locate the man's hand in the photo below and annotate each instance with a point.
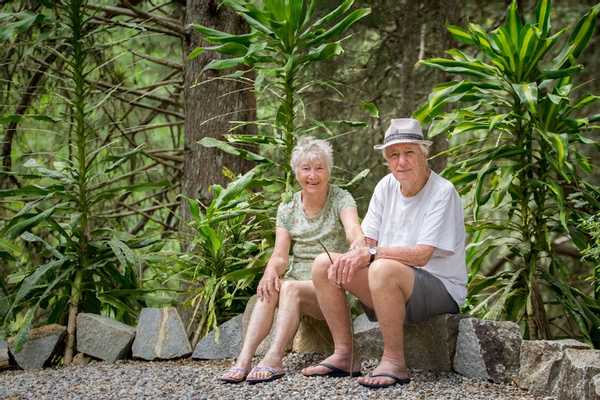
(269, 284)
(344, 268)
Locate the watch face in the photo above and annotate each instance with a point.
(372, 250)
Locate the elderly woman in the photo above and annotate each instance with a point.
(318, 212)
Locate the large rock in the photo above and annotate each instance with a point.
(596, 386)
(42, 343)
(428, 345)
(488, 349)
(4, 358)
(541, 363)
(577, 373)
(103, 337)
(313, 336)
(160, 335)
(228, 345)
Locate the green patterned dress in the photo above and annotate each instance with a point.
(307, 231)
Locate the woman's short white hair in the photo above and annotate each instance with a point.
(310, 149)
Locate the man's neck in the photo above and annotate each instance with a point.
(410, 189)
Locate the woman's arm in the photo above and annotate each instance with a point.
(276, 266)
(354, 234)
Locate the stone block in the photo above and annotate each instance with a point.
(313, 336)
(42, 343)
(428, 345)
(540, 364)
(488, 349)
(577, 373)
(160, 334)
(228, 345)
(4, 358)
(103, 338)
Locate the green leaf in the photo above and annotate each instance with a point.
(460, 34)
(542, 15)
(371, 108)
(195, 53)
(527, 93)
(226, 63)
(357, 178)
(12, 231)
(227, 148)
(341, 26)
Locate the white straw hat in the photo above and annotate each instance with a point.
(403, 130)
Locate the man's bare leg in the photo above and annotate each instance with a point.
(332, 301)
(391, 284)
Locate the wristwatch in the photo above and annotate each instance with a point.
(372, 253)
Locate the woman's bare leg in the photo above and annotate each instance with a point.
(259, 327)
(296, 298)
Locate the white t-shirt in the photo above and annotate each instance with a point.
(433, 217)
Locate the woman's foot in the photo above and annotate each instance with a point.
(266, 369)
(386, 374)
(336, 365)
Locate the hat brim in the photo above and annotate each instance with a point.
(411, 141)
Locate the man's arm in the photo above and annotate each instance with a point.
(416, 256)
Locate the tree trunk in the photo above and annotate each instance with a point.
(210, 103)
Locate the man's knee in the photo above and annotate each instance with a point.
(384, 273)
(320, 266)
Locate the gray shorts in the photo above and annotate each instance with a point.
(429, 298)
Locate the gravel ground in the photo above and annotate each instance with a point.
(187, 379)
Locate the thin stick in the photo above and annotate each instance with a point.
(351, 369)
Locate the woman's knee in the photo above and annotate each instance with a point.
(289, 291)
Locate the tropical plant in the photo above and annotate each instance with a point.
(516, 157)
(229, 251)
(285, 40)
(592, 251)
(86, 264)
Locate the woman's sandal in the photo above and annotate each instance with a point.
(242, 372)
(272, 374)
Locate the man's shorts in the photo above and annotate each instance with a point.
(429, 297)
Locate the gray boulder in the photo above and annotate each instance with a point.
(541, 363)
(103, 337)
(428, 345)
(160, 335)
(41, 344)
(488, 349)
(596, 386)
(4, 358)
(577, 373)
(313, 336)
(228, 345)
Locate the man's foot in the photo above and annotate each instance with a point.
(333, 366)
(385, 375)
(235, 375)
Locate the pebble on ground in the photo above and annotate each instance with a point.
(189, 379)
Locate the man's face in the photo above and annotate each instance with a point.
(406, 161)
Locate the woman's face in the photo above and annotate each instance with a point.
(312, 175)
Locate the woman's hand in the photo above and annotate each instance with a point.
(269, 285)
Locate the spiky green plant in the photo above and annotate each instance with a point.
(518, 134)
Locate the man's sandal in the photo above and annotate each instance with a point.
(395, 381)
(334, 372)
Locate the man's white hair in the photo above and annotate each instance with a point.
(310, 149)
(424, 149)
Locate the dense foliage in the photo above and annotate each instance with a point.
(519, 133)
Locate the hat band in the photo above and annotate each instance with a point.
(404, 135)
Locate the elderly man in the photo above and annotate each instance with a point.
(413, 264)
